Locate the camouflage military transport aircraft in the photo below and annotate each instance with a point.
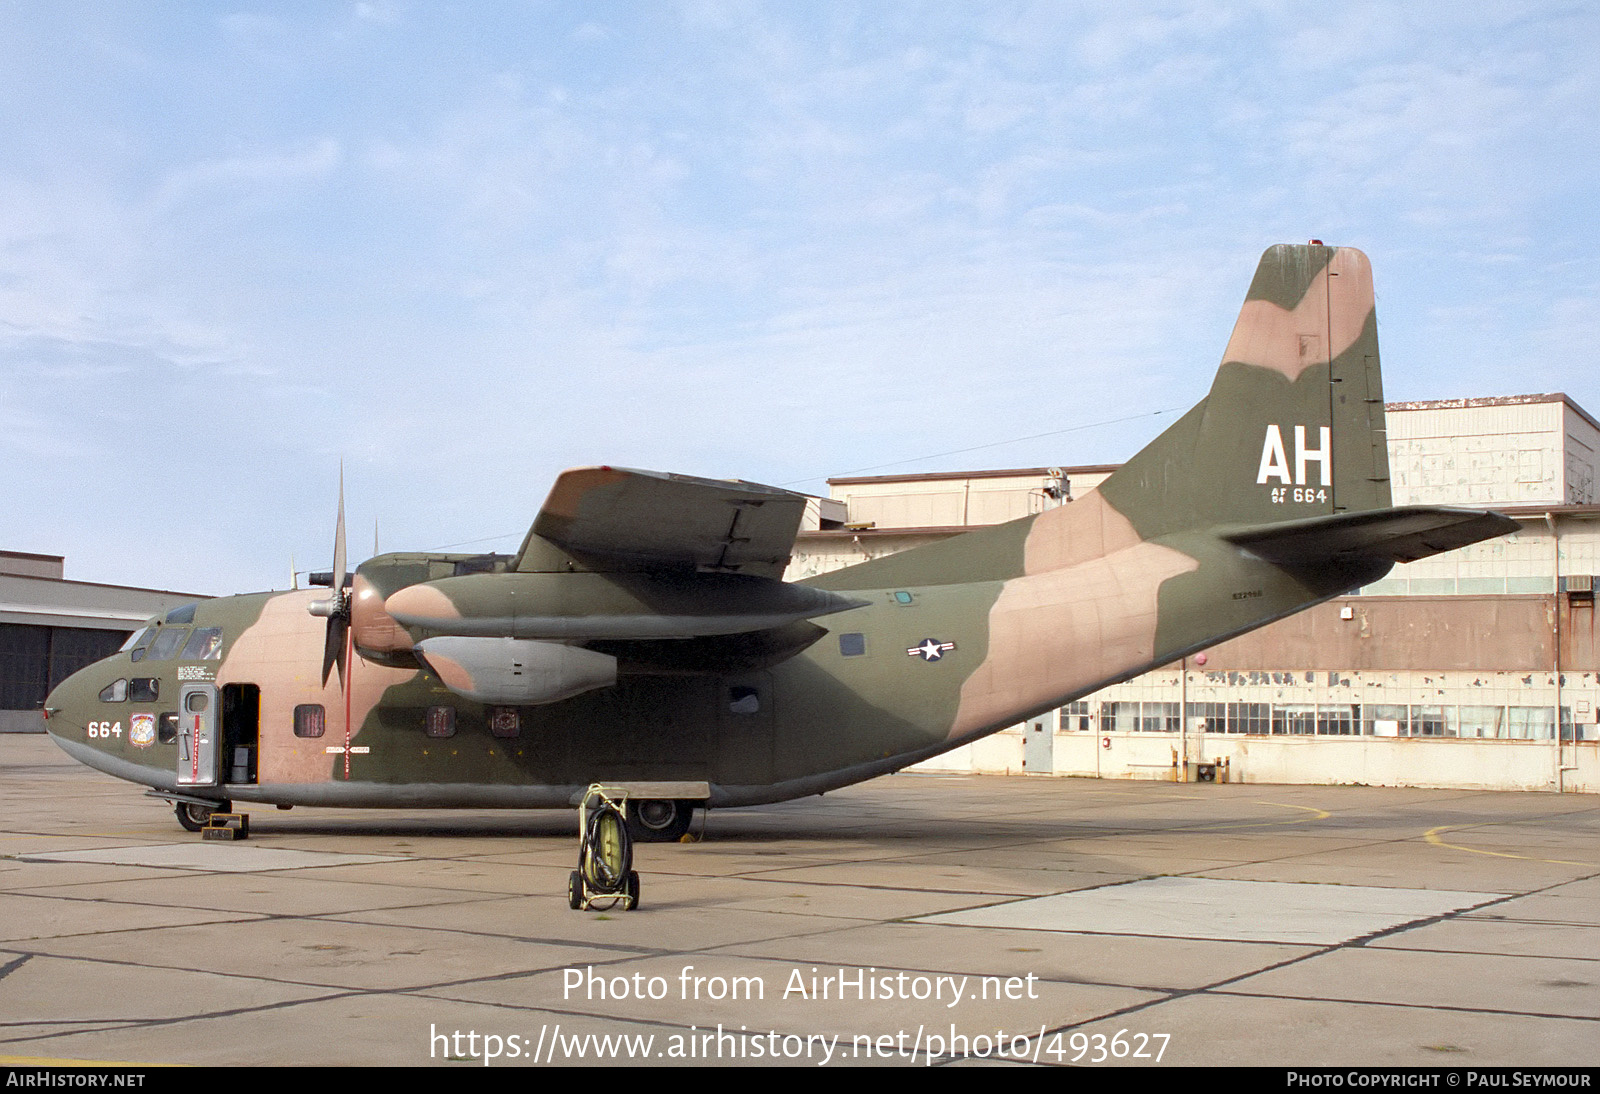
(643, 634)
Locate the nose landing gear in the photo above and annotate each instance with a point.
(193, 815)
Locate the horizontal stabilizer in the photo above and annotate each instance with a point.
(1394, 535)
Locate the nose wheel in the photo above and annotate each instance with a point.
(193, 816)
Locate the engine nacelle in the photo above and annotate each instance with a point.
(516, 671)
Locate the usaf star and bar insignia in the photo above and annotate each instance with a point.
(930, 649)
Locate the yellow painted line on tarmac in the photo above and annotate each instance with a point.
(1432, 836)
(1316, 815)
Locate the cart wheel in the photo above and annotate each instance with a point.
(574, 890)
(633, 889)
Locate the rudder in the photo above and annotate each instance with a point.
(1293, 426)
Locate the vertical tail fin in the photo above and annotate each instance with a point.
(1293, 426)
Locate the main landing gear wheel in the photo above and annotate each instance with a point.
(193, 817)
(659, 820)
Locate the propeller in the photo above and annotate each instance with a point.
(336, 608)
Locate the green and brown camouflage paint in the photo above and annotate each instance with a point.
(949, 642)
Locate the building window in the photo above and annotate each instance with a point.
(1341, 721)
(1249, 717)
(1159, 718)
(1075, 716)
(1482, 722)
(1119, 717)
(1429, 722)
(1297, 718)
(1384, 720)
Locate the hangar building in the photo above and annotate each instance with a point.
(1474, 669)
(51, 627)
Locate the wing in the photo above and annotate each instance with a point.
(654, 520)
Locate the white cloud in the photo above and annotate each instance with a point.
(261, 172)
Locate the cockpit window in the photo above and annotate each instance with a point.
(184, 614)
(166, 644)
(114, 692)
(145, 689)
(205, 644)
(137, 638)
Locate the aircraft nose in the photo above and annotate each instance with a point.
(70, 704)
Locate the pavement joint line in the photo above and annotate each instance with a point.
(330, 992)
(123, 901)
(1486, 953)
(1452, 1007)
(1354, 943)
(178, 1019)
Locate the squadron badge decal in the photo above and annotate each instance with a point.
(142, 730)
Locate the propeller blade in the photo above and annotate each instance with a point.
(336, 609)
(333, 647)
(338, 541)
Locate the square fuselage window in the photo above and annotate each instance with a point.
(441, 721)
(505, 721)
(309, 720)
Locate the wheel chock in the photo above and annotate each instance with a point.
(228, 826)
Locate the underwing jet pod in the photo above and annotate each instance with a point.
(643, 637)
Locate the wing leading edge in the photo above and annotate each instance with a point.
(1405, 534)
(654, 520)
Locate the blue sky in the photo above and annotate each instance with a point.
(464, 247)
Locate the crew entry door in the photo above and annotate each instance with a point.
(197, 735)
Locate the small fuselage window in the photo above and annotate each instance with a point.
(144, 689)
(441, 721)
(505, 721)
(309, 720)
